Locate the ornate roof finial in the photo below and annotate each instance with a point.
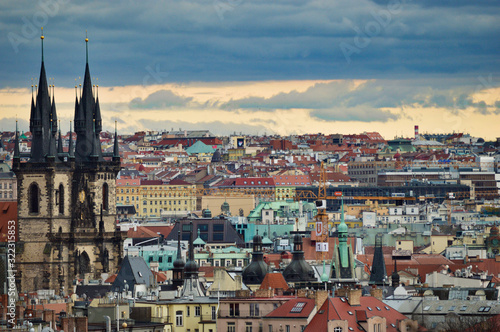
(87, 46)
(42, 38)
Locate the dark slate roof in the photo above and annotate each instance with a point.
(93, 291)
(135, 271)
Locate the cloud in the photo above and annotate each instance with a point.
(370, 100)
(216, 127)
(247, 41)
(160, 100)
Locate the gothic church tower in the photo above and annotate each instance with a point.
(66, 200)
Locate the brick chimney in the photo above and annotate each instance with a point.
(354, 297)
(376, 293)
(320, 298)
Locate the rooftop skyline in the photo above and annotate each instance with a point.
(261, 67)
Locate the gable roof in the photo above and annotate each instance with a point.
(294, 308)
(274, 281)
(135, 271)
(338, 308)
(141, 232)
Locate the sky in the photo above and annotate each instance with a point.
(261, 67)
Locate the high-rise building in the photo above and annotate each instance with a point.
(66, 200)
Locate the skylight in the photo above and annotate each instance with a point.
(297, 308)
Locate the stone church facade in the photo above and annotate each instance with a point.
(66, 199)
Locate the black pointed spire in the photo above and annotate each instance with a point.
(97, 113)
(33, 111)
(17, 155)
(88, 144)
(116, 148)
(52, 146)
(41, 121)
(95, 154)
(60, 150)
(53, 113)
(378, 272)
(71, 152)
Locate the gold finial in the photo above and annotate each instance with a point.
(86, 38)
(42, 37)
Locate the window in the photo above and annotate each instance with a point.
(197, 311)
(427, 307)
(297, 308)
(214, 313)
(234, 309)
(254, 309)
(178, 318)
(463, 308)
(188, 311)
(439, 308)
(231, 327)
(287, 328)
(34, 195)
(452, 308)
(337, 329)
(105, 197)
(248, 327)
(61, 199)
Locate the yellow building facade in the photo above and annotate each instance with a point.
(186, 315)
(151, 198)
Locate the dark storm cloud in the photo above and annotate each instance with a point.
(152, 42)
(160, 100)
(369, 101)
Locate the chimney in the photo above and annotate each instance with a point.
(320, 298)
(238, 281)
(354, 297)
(376, 293)
(416, 131)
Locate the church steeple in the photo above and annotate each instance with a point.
(178, 270)
(342, 268)
(60, 150)
(116, 149)
(71, 151)
(88, 144)
(17, 155)
(191, 282)
(256, 271)
(298, 270)
(41, 120)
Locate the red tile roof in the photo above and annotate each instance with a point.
(294, 308)
(207, 271)
(111, 278)
(140, 233)
(274, 281)
(8, 212)
(338, 308)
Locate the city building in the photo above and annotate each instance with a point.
(66, 200)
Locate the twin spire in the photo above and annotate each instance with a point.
(87, 122)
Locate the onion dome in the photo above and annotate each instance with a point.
(256, 271)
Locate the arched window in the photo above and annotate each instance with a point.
(105, 197)
(61, 199)
(34, 201)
